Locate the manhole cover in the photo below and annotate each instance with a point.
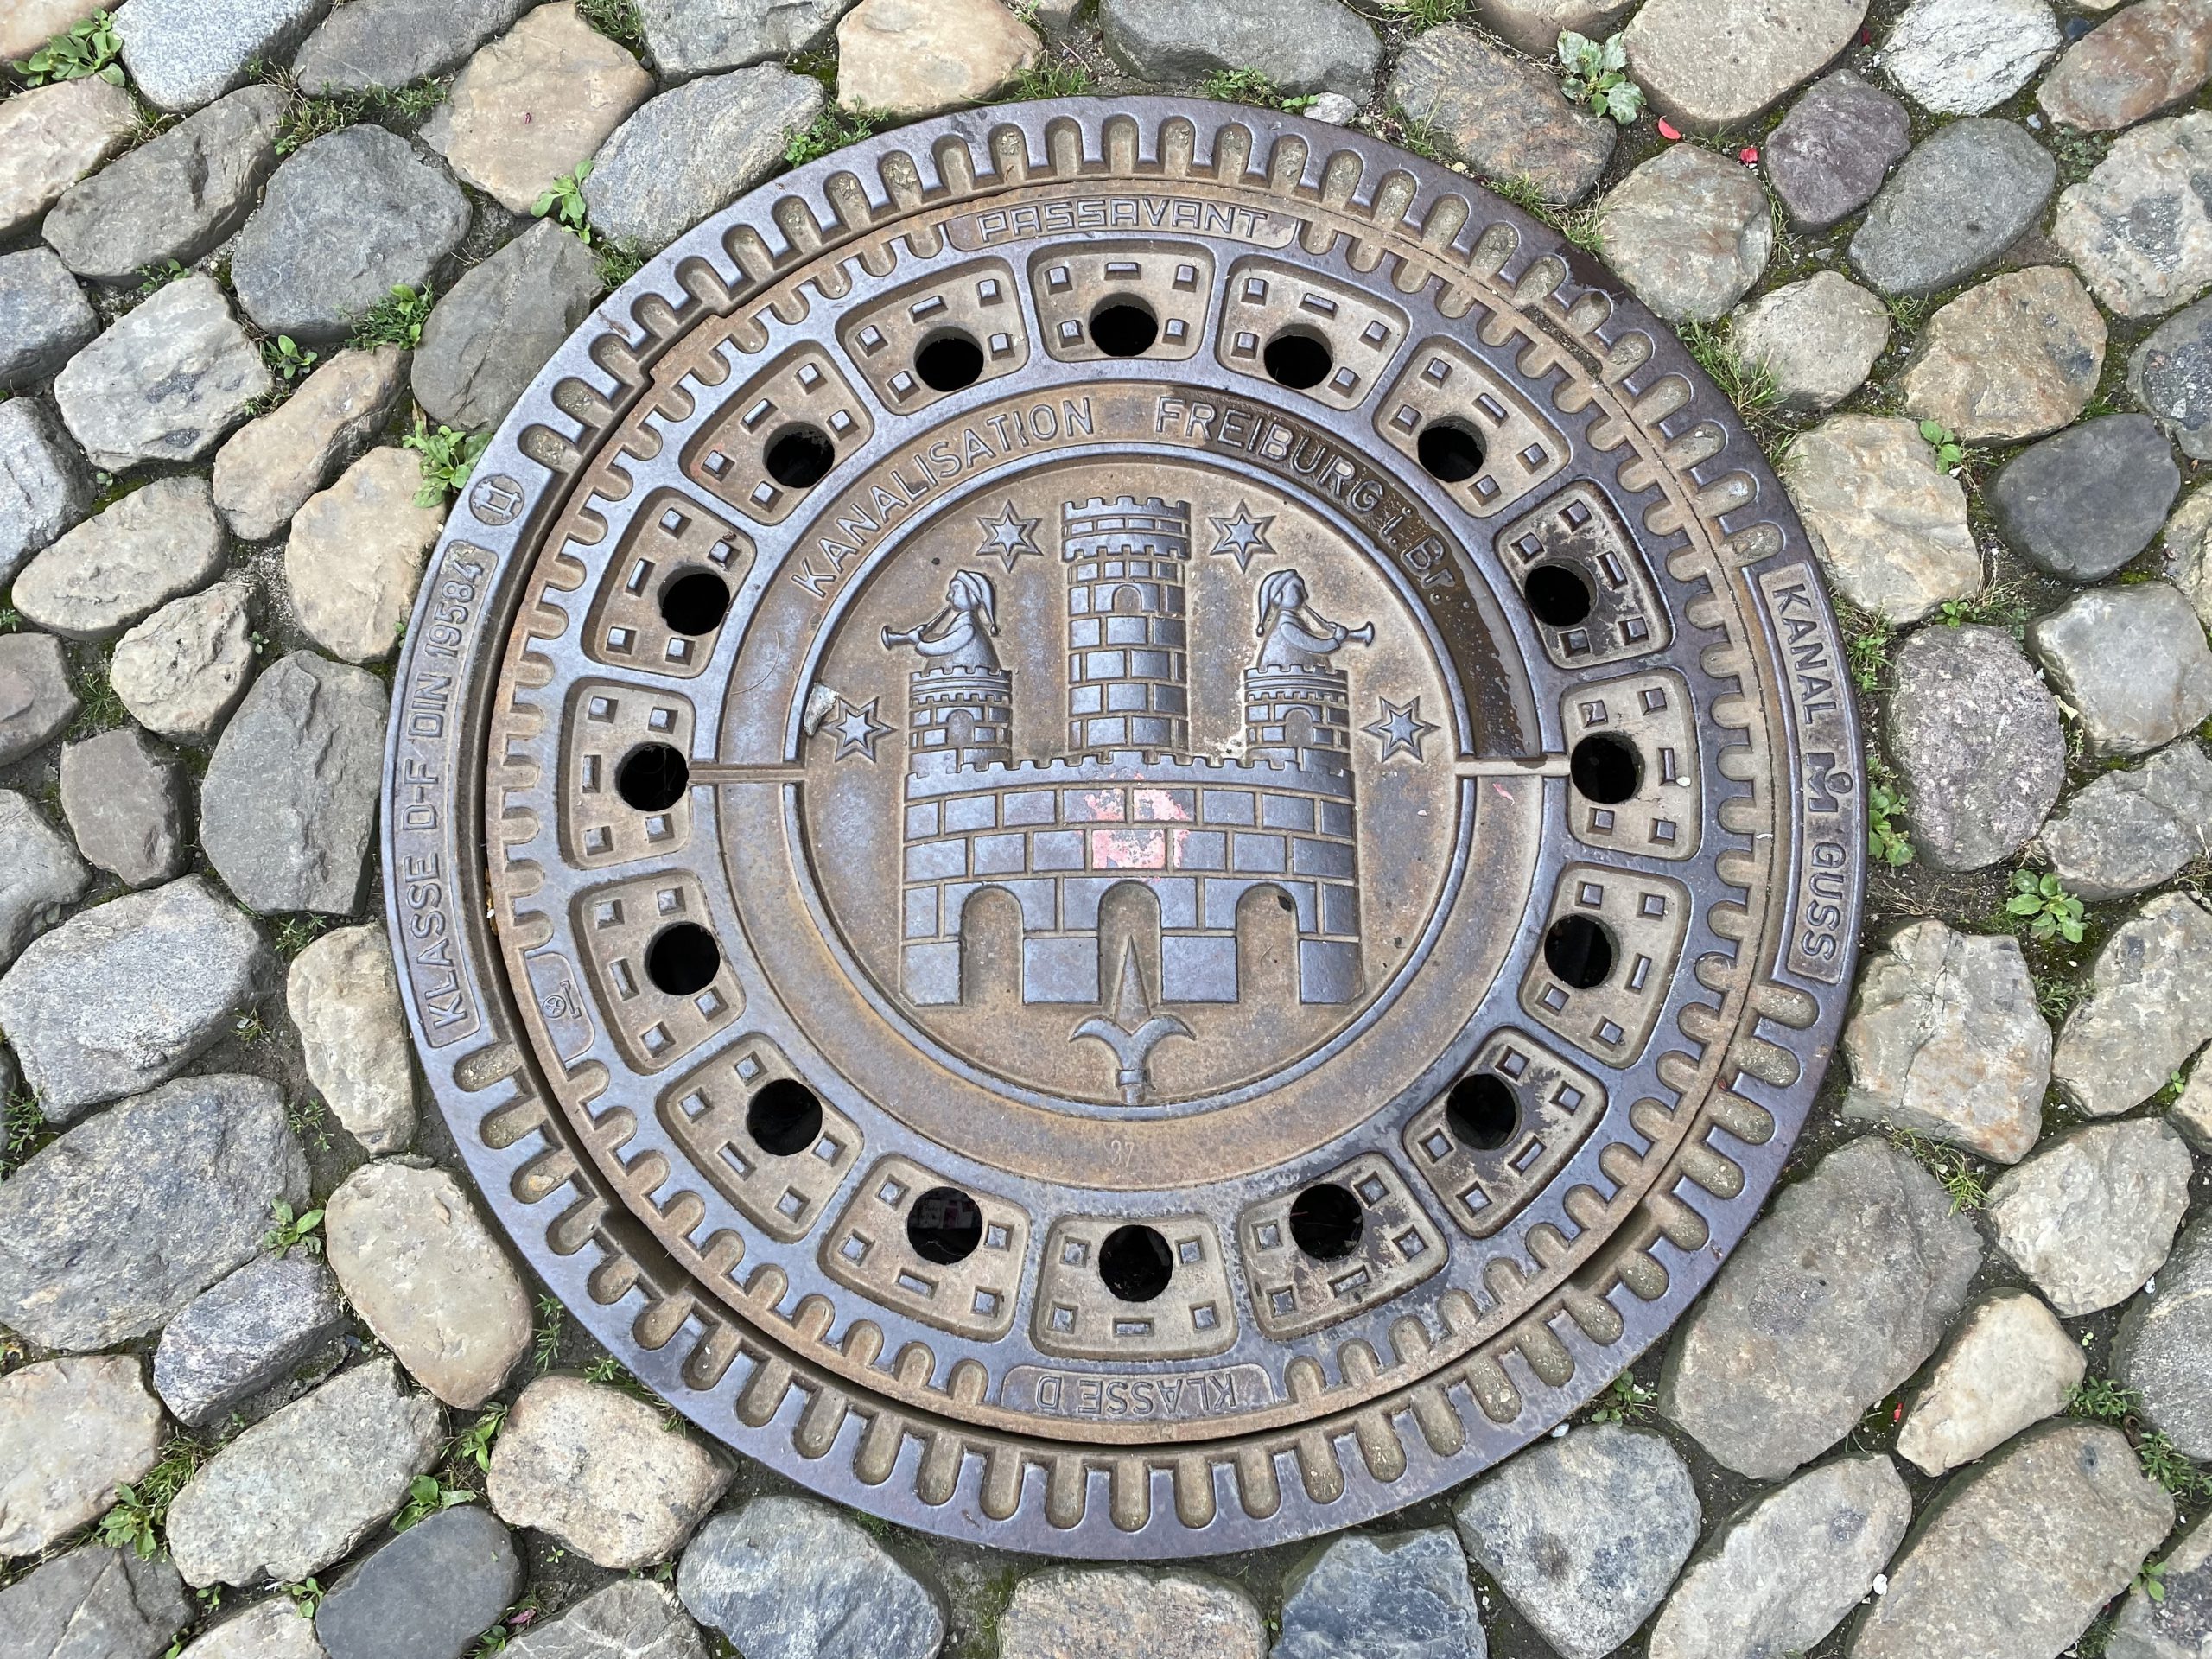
(1124, 830)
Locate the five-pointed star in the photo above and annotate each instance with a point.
(1009, 536)
(856, 729)
(1400, 729)
(1242, 535)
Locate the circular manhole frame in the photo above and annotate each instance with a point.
(1324, 1426)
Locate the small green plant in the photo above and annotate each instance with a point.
(832, 130)
(1625, 1402)
(23, 1130)
(141, 1508)
(152, 279)
(2078, 152)
(10, 618)
(448, 457)
(1885, 805)
(1250, 86)
(1949, 452)
(2100, 1400)
(310, 1122)
(298, 931)
(563, 200)
(1597, 75)
(2163, 1462)
(89, 48)
(100, 704)
(2056, 997)
(427, 1496)
(618, 261)
(616, 19)
(306, 120)
(1434, 13)
(285, 358)
(1999, 606)
(1749, 386)
(2051, 910)
(512, 1623)
(473, 1444)
(307, 1596)
(1867, 637)
(545, 1340)
(250, 1028)
(395, 320)
(290, 1231)
(1421, 135)
(1959, 1176)
(2151, 1581)
(1060, 77)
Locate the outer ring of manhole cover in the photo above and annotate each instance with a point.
(1123, 830)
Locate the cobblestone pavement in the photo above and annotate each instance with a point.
(271, 1386)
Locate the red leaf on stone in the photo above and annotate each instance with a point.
(1666, 130)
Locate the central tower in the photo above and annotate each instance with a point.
(1127, 672)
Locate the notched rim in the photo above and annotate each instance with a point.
(1745, 1067)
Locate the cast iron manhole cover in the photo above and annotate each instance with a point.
(1123, 830)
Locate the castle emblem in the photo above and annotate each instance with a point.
(1127, 801)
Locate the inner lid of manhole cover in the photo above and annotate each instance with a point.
(1124, 829)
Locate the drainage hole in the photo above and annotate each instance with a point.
(682, 959)
(652, 777)
(1452, 450)
(949, 361)
(1578, 951)
(783, 1118)
(1136, 1263)
(1482, 1111)
(1606, 769)
(945, 1226)
(694, 603)
(1298, 359)
(1124, 328)
(800, 456)
(1558, 595)
(1325, 1221)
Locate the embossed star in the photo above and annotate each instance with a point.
(856, 729)
(1400, 729)
(1009, 536)
(1242, 535)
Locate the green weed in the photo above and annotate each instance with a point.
(101, 708)
(23, 1130)
(1434, 13)
(306, 1594)
(473, 1444)
(2100, 1400)
(88, 49)
(1250, 86)
(832, 130)
(152, 279)
(290, 1231)
(1056, 77)
(298, 931)
(1868, 636)
(545, 1340)
(512, 1623)
(2049, 908)
(395, 320)
(618, 261)
(616, 19)
(1886, 841)
(563, 200)
(1625, 1402)
(142, 1509)
(1414, 132)
(2151, 1581)
(2163, 1462)
(1960, 1175)
(2056, 997)
(310, 1122)
(448, 457)
(1749, 386)
(427, 1496)
(286, 360)
(1596, 74)
(307, 118)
